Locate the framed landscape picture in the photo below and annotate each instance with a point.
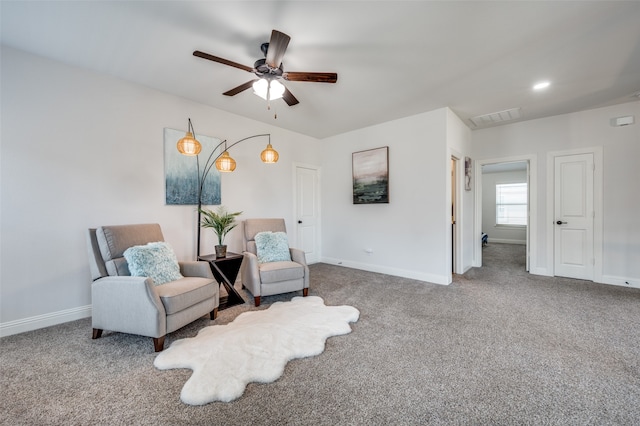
(371, 176)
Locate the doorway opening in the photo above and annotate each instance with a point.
(506, 206)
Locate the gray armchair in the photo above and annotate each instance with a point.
(266, 279)
(135, 305)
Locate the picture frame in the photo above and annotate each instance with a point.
(181, 172)
(370, 170)
(467, 174)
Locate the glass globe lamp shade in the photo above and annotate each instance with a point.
(225, 163)
(273, 88)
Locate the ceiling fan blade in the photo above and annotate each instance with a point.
(277, 46)
(318, 77)
(240, 88)
(289, 98)
(222, 61)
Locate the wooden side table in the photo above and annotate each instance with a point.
(225, 270)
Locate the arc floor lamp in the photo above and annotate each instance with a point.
(223, 162)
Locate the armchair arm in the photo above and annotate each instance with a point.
(196, 269)
(128, 305)
(297, 255)
(250, 273)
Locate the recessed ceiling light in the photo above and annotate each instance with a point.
(542, 85)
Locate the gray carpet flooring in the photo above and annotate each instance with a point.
(498, 346)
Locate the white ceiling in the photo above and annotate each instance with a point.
(394, 59)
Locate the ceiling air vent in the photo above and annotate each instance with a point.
(496, 117)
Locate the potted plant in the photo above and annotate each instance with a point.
(221, 221)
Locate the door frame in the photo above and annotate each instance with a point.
(455, 242)
(294, 180)
(598, 207)
(532, 227)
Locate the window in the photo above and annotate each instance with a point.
(511, 204)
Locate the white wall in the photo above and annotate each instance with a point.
(410, 236)
(80, 150)
(459, 145)
(500, 234)
(621, 174)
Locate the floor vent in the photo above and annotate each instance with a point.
(496, 117)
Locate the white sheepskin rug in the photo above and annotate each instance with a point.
(255, 347)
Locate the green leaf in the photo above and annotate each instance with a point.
(220, 221)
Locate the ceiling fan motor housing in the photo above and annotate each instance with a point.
(264, 70)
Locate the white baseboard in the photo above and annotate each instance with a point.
(42, 321)
(621, 281)
(431, 278)
(605, 279)
(540, 271)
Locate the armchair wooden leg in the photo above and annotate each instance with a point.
(158, 343)
(305, 292)
(257, 300)
(213, 314)
(97, 333)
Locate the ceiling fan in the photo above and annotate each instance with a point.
(270, 71)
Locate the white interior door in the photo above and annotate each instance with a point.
(307, 211)
(574, 216)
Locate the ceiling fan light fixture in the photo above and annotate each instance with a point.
(269, 155)
(268, 89)
(225, 163)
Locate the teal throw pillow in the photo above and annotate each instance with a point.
(272, 247)
(154, 260)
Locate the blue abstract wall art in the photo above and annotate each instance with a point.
(180, 172)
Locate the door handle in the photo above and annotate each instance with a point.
(560, 222)
(299, 221)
